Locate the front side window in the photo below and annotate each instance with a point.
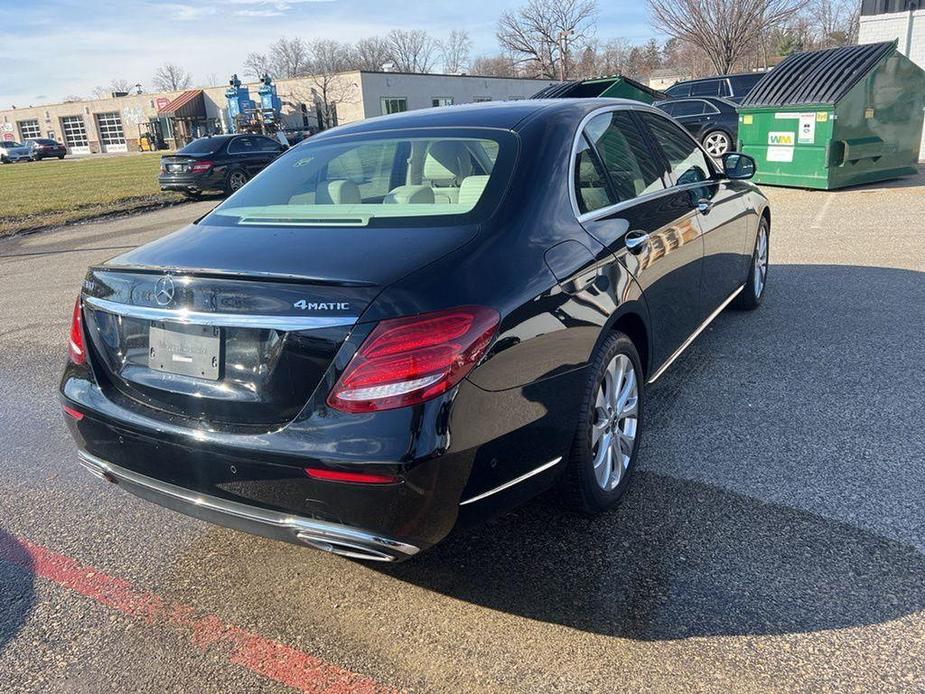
(204, 145)
(688, 162)
(630, 166)
(393, 104)
(243, 145)
(378, 179)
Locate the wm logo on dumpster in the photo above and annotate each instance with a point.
(786, 139)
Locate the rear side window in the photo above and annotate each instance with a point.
(591, 189)
(679, 90)
(244, 145)
(689, 108)
(707, 88)
(378, 179)
(688, 162)
(631, 168)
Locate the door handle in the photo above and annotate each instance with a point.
(636, 241)
(704, 205)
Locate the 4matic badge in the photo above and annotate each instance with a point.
(322, 305)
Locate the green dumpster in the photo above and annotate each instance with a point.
(834, 118)
(613, 86)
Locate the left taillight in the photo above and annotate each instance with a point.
(201, 166)
(76, 351)
(405, 361)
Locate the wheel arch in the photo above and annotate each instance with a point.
(632, 319)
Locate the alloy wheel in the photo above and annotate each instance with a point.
(616, 414)
(236, 180)
(716, 144)
(761, 261)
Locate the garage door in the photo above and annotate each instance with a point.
(29, 130)
(75, 135)
(112, 138)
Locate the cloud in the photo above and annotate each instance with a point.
(188, 13)
(257, 13)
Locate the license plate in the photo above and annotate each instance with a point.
(175, 168)
(189, 350)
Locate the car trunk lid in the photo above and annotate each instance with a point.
(236, 327)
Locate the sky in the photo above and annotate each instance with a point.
(51, 49)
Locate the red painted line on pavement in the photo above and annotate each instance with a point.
(271, 659)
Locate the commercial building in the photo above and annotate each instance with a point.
(117, 124)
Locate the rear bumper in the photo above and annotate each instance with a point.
(330, 537)
(190, 182)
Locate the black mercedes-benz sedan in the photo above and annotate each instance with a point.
(219, 163)
(414, 321)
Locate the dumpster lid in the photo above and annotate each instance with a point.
(817, 77)
(592, 88)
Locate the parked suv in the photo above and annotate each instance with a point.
(219, 162)
(731, 87)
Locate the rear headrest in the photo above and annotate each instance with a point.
(447, 162)
(471, 189)
(338, 193)
(410, 195)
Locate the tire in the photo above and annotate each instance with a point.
(752, 295)
(236, 178)
(192, 194)
(717, 143)
(60, 156)
(586, 487)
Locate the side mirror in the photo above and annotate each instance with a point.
(738, 166)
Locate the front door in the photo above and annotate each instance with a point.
(626, 203)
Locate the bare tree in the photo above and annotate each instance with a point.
(455, 51)
(372, 53)
(116, 85)
(542, 33)
(724, 29)
(72, 98)
(256, 65)
(493, 66)
(288, 58)
(835, 21)
(170, 77)
(412, 50)
(328, 60)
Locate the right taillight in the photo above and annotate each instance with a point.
(405, 361)
(76, 351)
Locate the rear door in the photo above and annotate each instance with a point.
(624, 202)
(720, 209)
(245, 153)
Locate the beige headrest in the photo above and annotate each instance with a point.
(447, 162)
(410, 195)
(471, 189)
(338, 193)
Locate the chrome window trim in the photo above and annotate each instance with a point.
(511, 483)
(225, 320)
(616, 207)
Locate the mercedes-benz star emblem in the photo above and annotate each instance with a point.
(163, 290)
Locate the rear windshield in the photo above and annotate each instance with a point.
(204, 145)
(397, 178)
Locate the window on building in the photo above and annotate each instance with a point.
(110, 128)
(480, 99)
(75, 132)
(29, 130)
(441, 101)
(393, 104)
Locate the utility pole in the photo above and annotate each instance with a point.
(563, 52)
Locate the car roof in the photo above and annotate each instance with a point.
(507, 115)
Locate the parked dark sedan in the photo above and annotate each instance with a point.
(713, 121)
(413, 321)
(220, 163)
(45, 148)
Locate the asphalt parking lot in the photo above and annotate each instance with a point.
(773, 538)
